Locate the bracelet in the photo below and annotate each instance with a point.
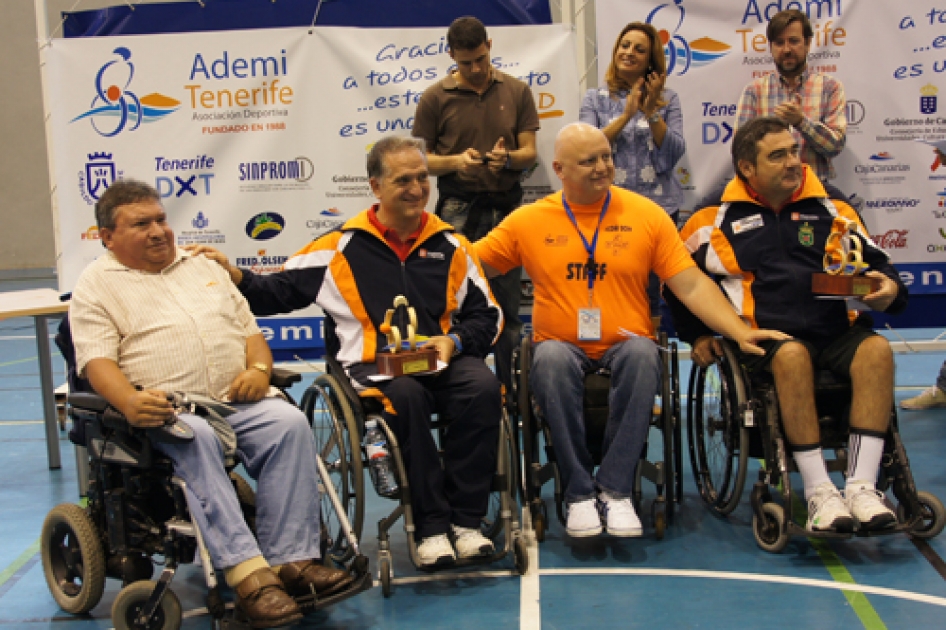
(457, 346)
(653, 117)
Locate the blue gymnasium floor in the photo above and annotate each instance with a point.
(706, 573)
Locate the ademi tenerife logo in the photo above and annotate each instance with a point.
(116, 107)
(682, 54)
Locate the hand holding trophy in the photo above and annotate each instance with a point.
(843, 264)
(396, 359)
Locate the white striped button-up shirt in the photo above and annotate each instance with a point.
(181, 329)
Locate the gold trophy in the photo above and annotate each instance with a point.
(395, 359)
(843, 264)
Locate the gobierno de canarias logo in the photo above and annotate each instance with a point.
(681, 53)
(115, 107)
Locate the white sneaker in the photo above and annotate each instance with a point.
(619, 516)
(435, 550)
(583, 519)
(867, 505)
(470, 542)
(827, 510)
(931, 398)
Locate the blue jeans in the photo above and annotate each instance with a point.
(557, 382)
(276, 446)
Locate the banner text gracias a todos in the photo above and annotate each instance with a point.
(891, 58)
(256, 140)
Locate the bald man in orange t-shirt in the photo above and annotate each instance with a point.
(589, 250)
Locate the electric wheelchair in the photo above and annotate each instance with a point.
(663, 471)
(334, 399)
(137, 510)
(732, 418)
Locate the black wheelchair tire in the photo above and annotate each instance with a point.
(73, 559)
(131, 600)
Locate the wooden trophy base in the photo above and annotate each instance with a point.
(848, 286)
(407, 362)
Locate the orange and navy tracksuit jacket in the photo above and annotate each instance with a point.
(763, 260)
(353, 275)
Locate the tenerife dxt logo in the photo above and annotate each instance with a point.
(98, 174)
(265, 226)
(115, 107)
(681, 53)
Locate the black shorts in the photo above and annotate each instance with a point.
(836, 355)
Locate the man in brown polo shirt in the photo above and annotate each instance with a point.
(479, 125)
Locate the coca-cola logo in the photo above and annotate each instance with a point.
(891, 239)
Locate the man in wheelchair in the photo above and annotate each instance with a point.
(763, 240)
(149, 319)
(396, 248)
(589, 252)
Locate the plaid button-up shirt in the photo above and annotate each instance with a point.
(821, 135)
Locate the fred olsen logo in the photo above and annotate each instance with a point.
(265, 226)
(681, 53)
(262, 263)
(92, 234)
(115, 106)
(98, 174)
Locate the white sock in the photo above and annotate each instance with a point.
(813, 470)
(864, 454)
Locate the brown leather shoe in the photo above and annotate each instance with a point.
(302, 576)
(263, 599)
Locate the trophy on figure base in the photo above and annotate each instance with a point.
(402, 356)
(844, 265)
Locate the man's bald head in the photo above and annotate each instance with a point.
(583, 163)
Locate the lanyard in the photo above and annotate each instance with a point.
(590, 268)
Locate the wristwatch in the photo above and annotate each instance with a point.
(653, 117)
(262, 367)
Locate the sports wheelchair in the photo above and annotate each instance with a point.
(664, 472)
(333, 401)
(732, 418)
(137, 509)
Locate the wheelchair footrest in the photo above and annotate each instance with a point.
(310, 604)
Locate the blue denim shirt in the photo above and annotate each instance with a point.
(639, 165)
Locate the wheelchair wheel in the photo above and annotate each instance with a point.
(769, 532)
(385, 573)
(73, 560)
(933, 517)
(132, 599)
(336, 435)
(492, 523)
(717, 441)
(521, 555)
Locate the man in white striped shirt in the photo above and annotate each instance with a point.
(148, 319)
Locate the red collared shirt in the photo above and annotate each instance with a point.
(401, 248)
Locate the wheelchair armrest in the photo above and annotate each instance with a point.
(88, 402)
(284, 378)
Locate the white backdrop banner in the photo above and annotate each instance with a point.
(891, 58)
(256, 140)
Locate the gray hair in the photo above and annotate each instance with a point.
(377, 167)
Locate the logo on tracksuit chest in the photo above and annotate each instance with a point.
(806, 235)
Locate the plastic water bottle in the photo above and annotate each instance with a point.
(380, 464)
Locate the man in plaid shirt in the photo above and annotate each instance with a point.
(812, 103)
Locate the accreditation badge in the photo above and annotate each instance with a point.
(589, 324)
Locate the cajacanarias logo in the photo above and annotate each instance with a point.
(115, 107)
(682, 53)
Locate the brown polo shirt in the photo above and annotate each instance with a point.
(451, 119)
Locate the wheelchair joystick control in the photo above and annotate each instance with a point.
(174, 431)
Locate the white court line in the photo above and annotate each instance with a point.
(758, 577)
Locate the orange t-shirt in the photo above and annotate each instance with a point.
(636, 236)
